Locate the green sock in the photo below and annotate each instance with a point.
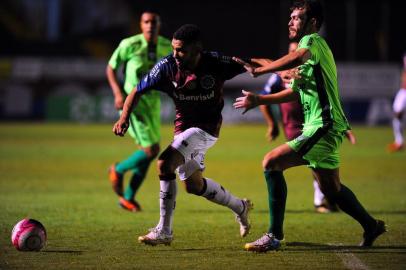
(277, 193)
(137, 159)
(348, 202)
(136, 180)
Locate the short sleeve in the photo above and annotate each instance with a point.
(273, 84)
(309, 42)
(155, 78)
(118, 56)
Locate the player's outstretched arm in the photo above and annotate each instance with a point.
(250, 100)
(289, 61)
(121, 126)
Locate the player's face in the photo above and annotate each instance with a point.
(185, 54)
(297, 24)
(150, 24)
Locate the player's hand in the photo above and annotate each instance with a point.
(248, 101)
(272, 133)
(120, 127)
(250, 68)
(118, 102)
(350, 136)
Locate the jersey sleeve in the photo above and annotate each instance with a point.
(228, 67)
(273, 84)
(118, 56)
(309, 42)
(155, 78)
(306, 69)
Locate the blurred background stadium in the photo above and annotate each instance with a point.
(53, 53)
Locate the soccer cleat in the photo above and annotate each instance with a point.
(394, 147)
(243, 218)
(116, 180)
(130, 205)
(370, 237)
(156, 237)
(265, 243)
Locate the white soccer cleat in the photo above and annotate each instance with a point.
(243, 219)
(156, 237)
(265, 243)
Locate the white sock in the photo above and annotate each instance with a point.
(397, 130)
(216, 193)
(318, 195)
(167, 203)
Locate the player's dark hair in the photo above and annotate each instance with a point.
(151, 10)
(188, 33)
(314, 9)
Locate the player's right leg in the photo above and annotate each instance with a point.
(168, 161)
(274, 163)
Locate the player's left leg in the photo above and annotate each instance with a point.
(198, 185)
(193, 143)
(274, 163)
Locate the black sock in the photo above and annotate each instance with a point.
(348, 202)
(277, 193)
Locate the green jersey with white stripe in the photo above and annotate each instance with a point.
(318, 87)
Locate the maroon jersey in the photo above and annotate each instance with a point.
(291, 112)
(198, 96)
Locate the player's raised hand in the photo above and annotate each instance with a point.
(120, 127)
(250, 68)
(247, 101)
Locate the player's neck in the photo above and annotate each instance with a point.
(195, 63)
(151, 38)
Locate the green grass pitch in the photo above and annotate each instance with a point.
(57, 173)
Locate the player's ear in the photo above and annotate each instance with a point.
(313, 22)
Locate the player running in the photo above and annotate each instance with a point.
(138, 54)
(323, 130)
(399, 107)
(194, 80)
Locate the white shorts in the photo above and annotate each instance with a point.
(399, 104)
(193, 144)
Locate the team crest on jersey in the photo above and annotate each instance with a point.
(310, 42)
(207, 82)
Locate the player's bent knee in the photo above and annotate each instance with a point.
(270, 164)
(164, 167)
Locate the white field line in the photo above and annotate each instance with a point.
(349, 260)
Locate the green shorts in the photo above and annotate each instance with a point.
(145, 120)
(319, 148)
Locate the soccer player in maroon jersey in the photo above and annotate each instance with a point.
(194, 80)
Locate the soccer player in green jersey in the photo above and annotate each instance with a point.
(138, 54)
(324, 126)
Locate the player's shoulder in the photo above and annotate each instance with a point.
(135, 40)
(164, 41)
(218, 57)
(166, 63)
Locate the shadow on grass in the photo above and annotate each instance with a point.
(74, 252)
(310, 211)
(303, 246)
